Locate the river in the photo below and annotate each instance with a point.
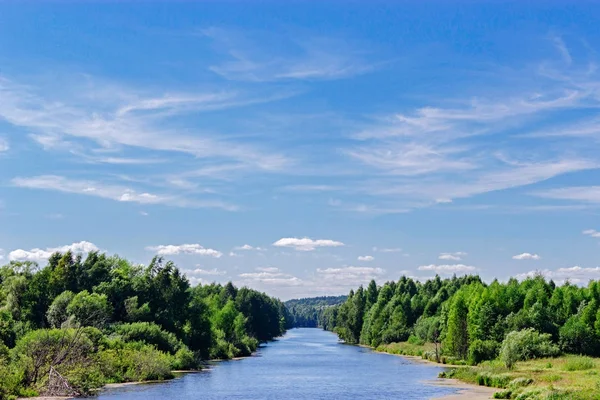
(303, 364)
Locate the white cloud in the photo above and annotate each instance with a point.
(234, 254)
(112, 192)
(271, 278)
(576, 274)
(4, 146)
(212, 272)
(366, 258)
(388, 250)
(41, 255)
(592, 232)
(526, 256)
(267, 269)
(447, 269)
(247, 247)
(196, 249)
(306, 244)
(144, 213)
(350, 274)
(456, 256)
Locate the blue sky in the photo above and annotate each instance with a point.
(304, 149)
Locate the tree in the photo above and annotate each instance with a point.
(57, 313)
(457, 337)
(89, 309)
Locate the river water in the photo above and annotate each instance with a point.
(304, 364)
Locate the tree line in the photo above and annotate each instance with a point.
(308, 312)
(89, 321)
(471, 320)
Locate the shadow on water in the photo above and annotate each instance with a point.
(306, 363)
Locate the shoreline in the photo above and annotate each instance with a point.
(465, 391)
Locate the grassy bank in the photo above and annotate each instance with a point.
(567, 377)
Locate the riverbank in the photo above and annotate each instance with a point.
(566, 377)
(467, 390)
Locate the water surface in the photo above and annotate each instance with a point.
(304, 364)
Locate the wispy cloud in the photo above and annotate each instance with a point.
(129, 119)
(587, 194)
(210, 272)
(112, 192)
(366, 258)
(4, 146)
(268, 56)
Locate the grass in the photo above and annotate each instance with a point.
(567, 377)
(579, 363)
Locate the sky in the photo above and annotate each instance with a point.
(307, 148)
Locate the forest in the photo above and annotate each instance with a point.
(464, 321)
(308, 312)
(78, 323)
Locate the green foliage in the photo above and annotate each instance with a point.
(134, 362)
(526, 345)
(149, 333)
(310, 313)
(57, 313)
(579, 364)
(577, 337)
(157, 322)
(482, 350)
(89, 309)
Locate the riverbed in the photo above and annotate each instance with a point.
(304, 364)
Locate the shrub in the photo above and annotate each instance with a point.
(184, 359)
(503, 394)
(412, 339)
(134, 362)
(493, 380)
(482, 350)
(577, 337)
(579, 364)
(61, 347)
(150, 333)
(525, 345)
(520, 382)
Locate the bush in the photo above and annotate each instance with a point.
(66, 349)
(577, 337)
(579, 364)
(150, 333)
(526, 345)
(184, 359)
(412, 339)
(482, 350)
(493, 380)
(503, 394)
(134, 362)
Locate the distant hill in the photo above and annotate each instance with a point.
(308, 312)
